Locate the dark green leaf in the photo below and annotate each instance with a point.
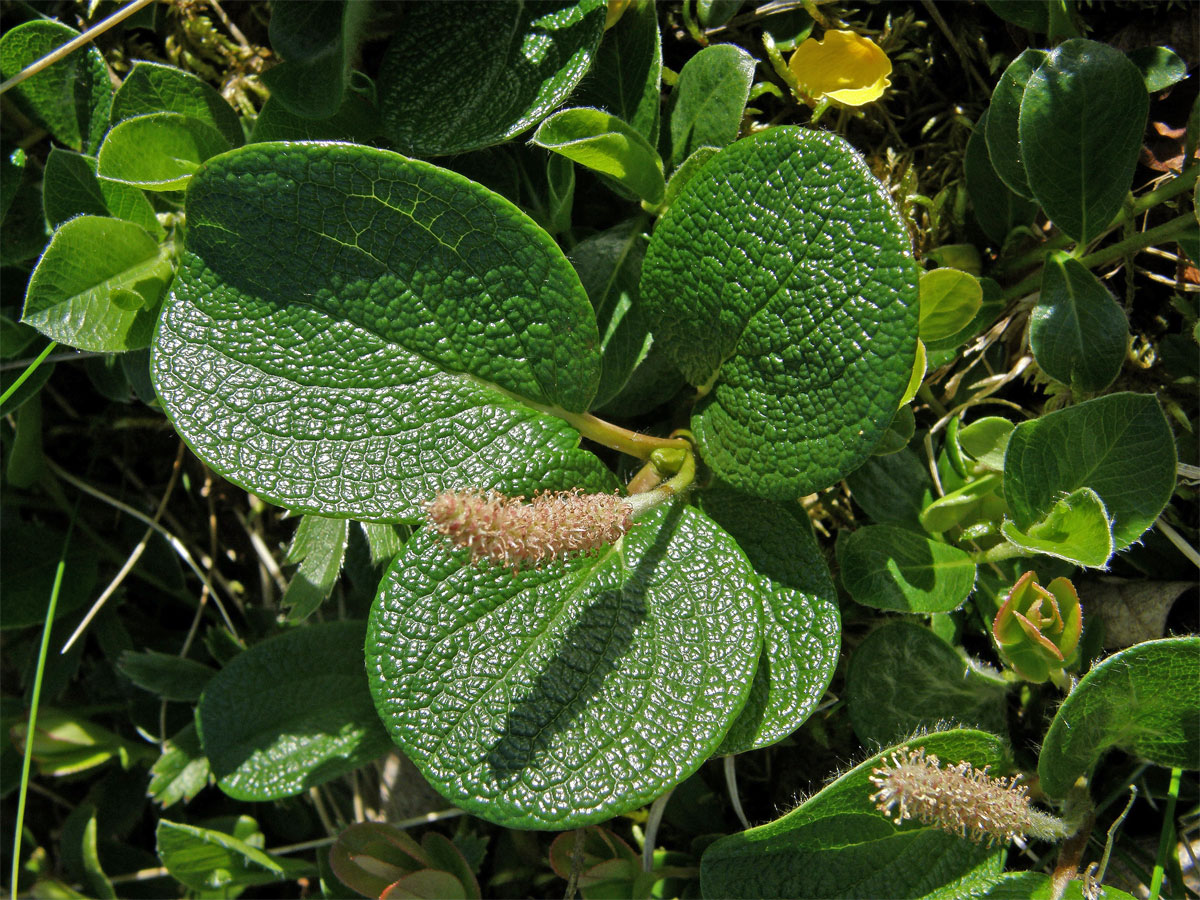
(709, 100)
(70, 99)
(798, 618)
(686, 171)
(892, 489)
(1081, 122)
(290, 713)
(782, 278)
(626, 78)
(12, 174)
(208, 860)
(559, 696)
(610, 267)
(319, 546)
(152, 88)
(1032, 15)
(98, 285)
(359, 333)
(997, 208)
(1078, 332)
(1142, 700)
(1076, 529)
(80, 856)
(904, 424)
(316, 39)
(903, 676)
(606, 144)
(886, 567)
(171, 677)
(1003, 122)
(31, 554)
(356, 121)
(158, 151)
(1120, 446)
(70, 188)
(461, 76)
(715, 13)
(1161, 67)
(837, 845)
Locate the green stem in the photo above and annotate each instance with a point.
(1166, 838)
(618, 438)
(29, 370)
(1158, 234)
(31, 728)
(999, 552)
(1172, 188)
(668, 490)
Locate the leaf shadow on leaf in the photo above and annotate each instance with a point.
(572, 679)
(420, 121)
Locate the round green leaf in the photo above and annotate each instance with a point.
(1078, 331)
(903, 676)
(626, 77)
(71, 98)
(837, 840)
(351, 332)
(76, 295)
(997, 209)
(1161, 67)
(152, 87)
(886, 567)
(985, 441)
(158, 151)
(710, 100)
(606, 144)
(949, 301)
(1082, 116)
(1003, 122)
(461, 76)
(1142, 700)
(799, 617)
(1076, 529)
(317, 39)
(290, 713)
(70, 188)
(782, 276)
(550, 698)
(1120, 446)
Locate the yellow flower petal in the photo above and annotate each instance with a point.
(844, 66)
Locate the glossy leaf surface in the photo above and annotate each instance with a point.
(1142, 700)
(555, 697)
(374, 355)
(1120, 446)
(782, 277)
(290, 713)
(462, 76)
(837, 845)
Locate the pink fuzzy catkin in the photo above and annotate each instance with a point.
(511, 532)
(959, 799)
